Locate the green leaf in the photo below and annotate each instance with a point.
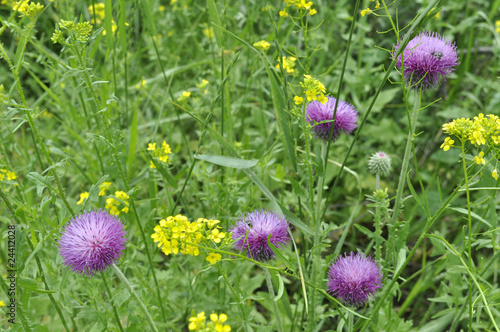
(281, 287)
(40, 181)
(401, 259)
(227, 161)
(370, 234)
(214, 18)
(474, 215)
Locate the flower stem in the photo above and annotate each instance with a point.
(275, 305)
(469, 242)
(134, 294)
(412, 123)
(110, 296)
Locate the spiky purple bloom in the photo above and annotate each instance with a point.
(253, 229)
(427, 58)
(345, 119)
(354, 278)
(92, 241)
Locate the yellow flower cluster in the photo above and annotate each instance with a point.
(262, 45)
(482, 130)
(176, 234)
(216, 324)
(80, 30)
(160, 154)
(301, 5)
(5, 174)
(313, 89)
(368, 11)
(497, 26)
(113, 204)
(28, 8)
(288, 64)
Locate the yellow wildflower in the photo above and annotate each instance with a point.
(462, 128)
(184, 96)
(83, 197)
(103, 187)
(141, 83)
(479, 159)
(497, 26)
(366, 11)
(262, 45)
(219, 322)
(312, 11)
(161, 154)
(198, 322)
(448, 143)
(112, 204)
(2, 304)
(213, 258)
(29, 9)
(203, 84)
(314, 89)
(495, 174)
(298, 100)
(216, 236)
(209, 32)
(161, 8)
(283, 13)
(288, 64)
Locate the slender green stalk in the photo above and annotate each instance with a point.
(469, 242)
(412, 123)
(316, 254)
(236, 295)
(277, 314)
(134, 294)
(110, 296)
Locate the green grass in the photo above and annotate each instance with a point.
(75, 116)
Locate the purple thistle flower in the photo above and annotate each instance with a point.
(92, 241)
(427, 58)
(354, 278)
(345, 119)
(253, 229)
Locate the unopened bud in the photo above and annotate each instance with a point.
(380, 163)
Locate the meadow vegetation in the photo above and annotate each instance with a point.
(203, 165)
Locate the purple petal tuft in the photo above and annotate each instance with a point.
(92, 241)
(427, 58)
(354, 278)
(252, 230)
(345, 119)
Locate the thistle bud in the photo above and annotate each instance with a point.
(380, 163)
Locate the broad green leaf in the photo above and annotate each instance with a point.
(227, 161)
